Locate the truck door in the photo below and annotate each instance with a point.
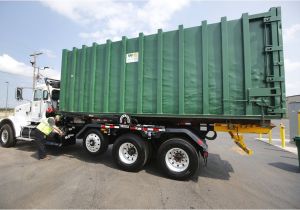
(36, 105)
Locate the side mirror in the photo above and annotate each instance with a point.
(19, 94)
(45, 95)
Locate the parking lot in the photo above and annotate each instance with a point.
(73, 179)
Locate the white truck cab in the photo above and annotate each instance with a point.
(28, 115)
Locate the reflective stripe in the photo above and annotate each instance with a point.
(45, 128)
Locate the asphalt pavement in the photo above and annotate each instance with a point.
(73, 179)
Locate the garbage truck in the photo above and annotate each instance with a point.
(164, 94)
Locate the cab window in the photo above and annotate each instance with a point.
(45, 95)
(38, 95)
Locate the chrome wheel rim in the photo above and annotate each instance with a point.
(128, 153)
(4, 136)
(177, 160)
(93, 142)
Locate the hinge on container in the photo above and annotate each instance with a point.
(271, 19)
(255, 92)
(278, 63)
(271, 48)
(274, 79)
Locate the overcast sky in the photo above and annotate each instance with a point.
(51, 26)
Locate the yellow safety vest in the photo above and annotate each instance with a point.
(45, 128)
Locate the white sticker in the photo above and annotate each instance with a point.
(132, 57)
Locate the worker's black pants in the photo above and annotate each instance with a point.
(40, 140)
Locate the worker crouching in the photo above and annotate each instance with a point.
(44, 129)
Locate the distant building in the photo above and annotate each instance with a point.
(293, 106)
(294, 98)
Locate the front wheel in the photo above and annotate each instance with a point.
(94, 142)
(7, 138)
(130, 152)
(178, 158)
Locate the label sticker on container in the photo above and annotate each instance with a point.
(132, 57)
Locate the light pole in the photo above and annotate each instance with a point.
(6, 95)
(33, 63)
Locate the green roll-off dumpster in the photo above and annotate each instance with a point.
(227, 70)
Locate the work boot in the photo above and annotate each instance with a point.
(47, 157)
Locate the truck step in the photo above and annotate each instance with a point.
(24, 139)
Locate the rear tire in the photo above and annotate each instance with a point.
(94, 142)
(7, 138)
(178, 158)
(130, 152)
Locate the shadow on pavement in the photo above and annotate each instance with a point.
(216, 167)
(26, 146)
(71, 151)
(286, 167)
